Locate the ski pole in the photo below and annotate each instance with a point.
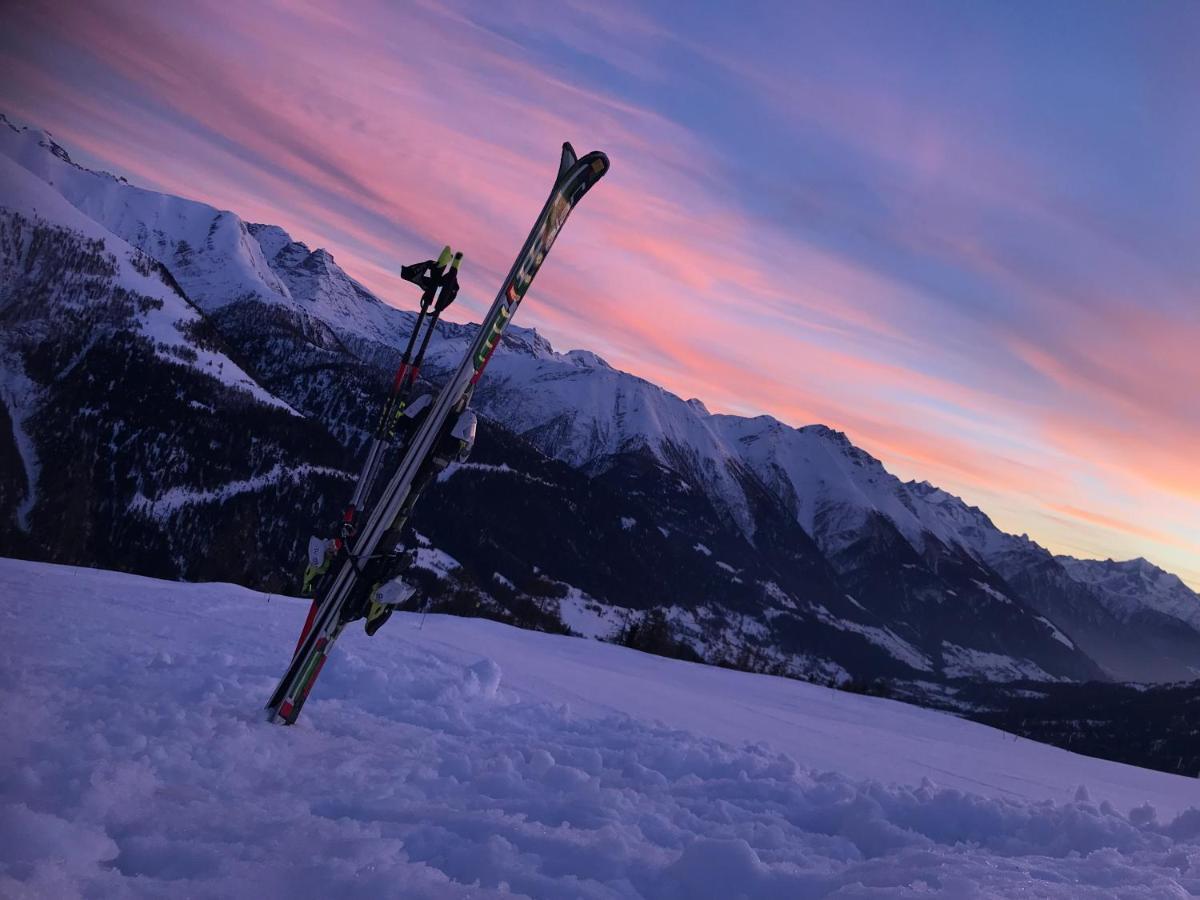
(447, 296)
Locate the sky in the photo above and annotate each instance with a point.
(963, 233)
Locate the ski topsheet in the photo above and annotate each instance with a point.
(576, 175)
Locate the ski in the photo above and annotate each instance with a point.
(386, 518)
(438, 280)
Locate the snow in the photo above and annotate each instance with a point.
(1055, 633)
(437, 561)
(778, 594)
(486, 469)
(588, 617)
(19, 395)
(172, 500)
(889, 641)
(1130, 586)
(627, 522)
(166, 325)
(967, 662)
(700, 548)
(883, 637)
(470, 759)
(991, 591)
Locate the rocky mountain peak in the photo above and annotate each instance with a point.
(585, 359)
(272, 239)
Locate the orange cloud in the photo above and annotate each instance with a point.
(1122, 525)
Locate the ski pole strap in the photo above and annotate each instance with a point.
(449, 289)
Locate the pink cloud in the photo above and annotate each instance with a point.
(368, 135)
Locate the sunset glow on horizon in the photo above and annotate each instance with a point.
(965, 234)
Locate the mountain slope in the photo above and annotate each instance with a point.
(881, 532)
(788, 547)
(462, 758)
(141, 443)
(908, 571)
(210, 252)
(1134, 586)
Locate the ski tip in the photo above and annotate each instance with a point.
(569, 157)
(456, 263)
(598, 162)
(444, 256)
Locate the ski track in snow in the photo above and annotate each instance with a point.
(173, 499)
(468, 759)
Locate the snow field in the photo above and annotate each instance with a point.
(467, 759)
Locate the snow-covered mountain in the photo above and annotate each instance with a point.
(319, 287)
(1131, 587)
(759, 539)
(122, 408)
(209, 251)
(580, 410)
(218, 259)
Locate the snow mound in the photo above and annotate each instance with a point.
(483, 679)
(136, 763)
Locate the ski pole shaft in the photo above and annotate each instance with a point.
(449, 291)
(427, 298)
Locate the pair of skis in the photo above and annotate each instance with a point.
(438, 280)
(387, 516)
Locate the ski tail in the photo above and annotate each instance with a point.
(308, 623)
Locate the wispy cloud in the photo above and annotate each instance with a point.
(938, 232)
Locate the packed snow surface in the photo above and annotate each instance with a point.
(461, 758)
